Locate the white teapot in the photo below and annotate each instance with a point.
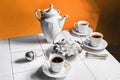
(51, 22)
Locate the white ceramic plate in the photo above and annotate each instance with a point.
(89, 30)
(64, 72)
(102, 45)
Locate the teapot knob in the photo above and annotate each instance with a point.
(51, 6)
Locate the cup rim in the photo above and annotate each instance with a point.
(98, 33)
(56, 55)
(83, 21)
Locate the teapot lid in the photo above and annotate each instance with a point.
(51, 10)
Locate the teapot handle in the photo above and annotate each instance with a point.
(36, 13)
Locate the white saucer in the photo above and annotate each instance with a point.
(63, 73)
(102, 45)
(75, 31)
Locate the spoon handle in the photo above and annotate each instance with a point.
(96, 55)
(102, 58)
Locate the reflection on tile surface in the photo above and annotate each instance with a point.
(24, 43)
(20, 64)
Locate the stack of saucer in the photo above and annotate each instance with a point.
(82, 28)
(95, 41)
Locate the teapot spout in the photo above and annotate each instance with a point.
(62, 20)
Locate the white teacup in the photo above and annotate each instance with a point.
(95, 38)
(56, 62)
(82, 26)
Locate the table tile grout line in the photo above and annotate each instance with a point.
(12, 63)
(65, 35)
(42, 49)
(26, 50)
(11, 58)
(83, 61)
(79, 57)
(86, 64)
(39, 43)
(87, 68)
(24, 71)
(16, 52)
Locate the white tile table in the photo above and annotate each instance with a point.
(13, 65)
(24, 43)
(5, 61)
(20, 64)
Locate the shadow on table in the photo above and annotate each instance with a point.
(70, 58)
(115, 51)
(22, 60)
(42, 39)
(39, 75)
(26, 39)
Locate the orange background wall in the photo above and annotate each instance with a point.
(109, 22)
(17, 16)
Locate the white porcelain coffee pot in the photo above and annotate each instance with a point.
(51, 22)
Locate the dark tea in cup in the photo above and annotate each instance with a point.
(96, 36)
(57, 60)
(83, 24)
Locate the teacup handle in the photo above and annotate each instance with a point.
(36, 13)
(88, 38)
(75, 24)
